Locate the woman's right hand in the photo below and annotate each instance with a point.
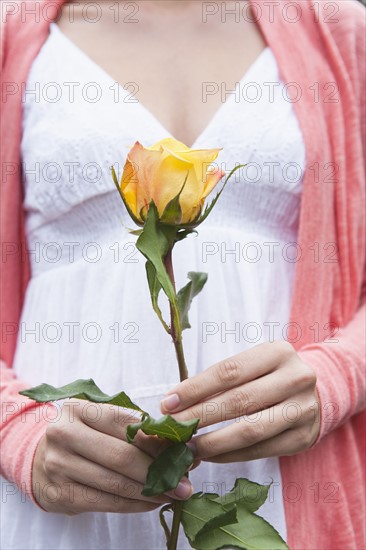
(86, 465)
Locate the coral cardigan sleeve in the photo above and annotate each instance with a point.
(23, 423)
(340, 361)
(340, 367)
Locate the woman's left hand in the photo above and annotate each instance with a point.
(268, 390)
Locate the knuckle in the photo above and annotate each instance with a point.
(58, 432)
(252, 433)
(284, 348)
(208, 411)
(120, 416)
(111, 482)
(195, 413)
(229, 371)
(130, 489)
(255, 452)
(52, 464)
(121, 455)
(238, 402)
(308, 413)
(305, 376)
(192, 391)
(303, 439)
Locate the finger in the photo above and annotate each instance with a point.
(285, 444)
(110, 452)
(250, 430)
(113, 420)
(151, 444)
(75, 498)
(108, 419)
(93, 475)
(247, 399)
(232, 372)
(120, 457)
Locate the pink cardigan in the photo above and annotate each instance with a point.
(323, 487)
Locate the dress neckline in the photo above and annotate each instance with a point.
(260, 60)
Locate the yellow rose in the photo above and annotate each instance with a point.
(158, 173)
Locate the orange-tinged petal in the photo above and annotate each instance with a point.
(212, 179)
(146, 165)
(158, 172)
(129, 185)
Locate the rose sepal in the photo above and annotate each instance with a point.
(132, 215)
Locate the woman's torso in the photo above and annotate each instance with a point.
(88, 300)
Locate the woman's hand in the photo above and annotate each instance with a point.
(84, 464)
(268, 390)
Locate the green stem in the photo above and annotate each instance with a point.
(175, 329)
(177, 514)
(176, 334)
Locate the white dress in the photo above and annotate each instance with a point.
(87, 311)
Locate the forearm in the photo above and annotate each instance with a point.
(23, 423)
(340, 370)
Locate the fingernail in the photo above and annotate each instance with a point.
(184, 489)
(171, 402)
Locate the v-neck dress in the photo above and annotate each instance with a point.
(87, 311)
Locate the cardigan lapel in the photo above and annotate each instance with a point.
(23, 34)
(328, 276)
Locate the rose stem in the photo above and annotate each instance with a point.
(183, 373)
(177, 338)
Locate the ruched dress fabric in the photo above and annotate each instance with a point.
(87, 312)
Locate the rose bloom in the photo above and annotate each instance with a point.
(158, 173)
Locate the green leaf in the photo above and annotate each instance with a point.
(201, 515)
(132, 215)
(225, 517)
(187, 293)
(167, 470)
(247, 493)
(154, 242)
(80, 389)
(165, 427)
(155, 287)
(250, 532)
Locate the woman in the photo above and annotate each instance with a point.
(180, 60)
